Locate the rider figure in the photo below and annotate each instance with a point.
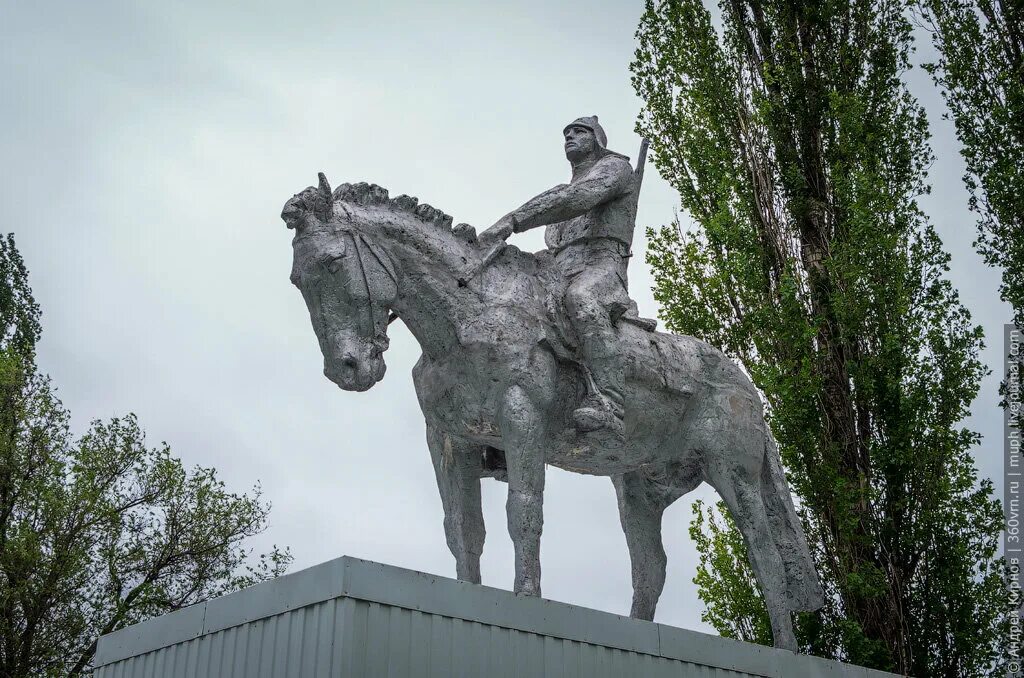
(590, 225)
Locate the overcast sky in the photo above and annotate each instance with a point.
(148, 149)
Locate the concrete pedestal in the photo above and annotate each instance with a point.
(355, 618)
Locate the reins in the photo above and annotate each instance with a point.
(360, 241)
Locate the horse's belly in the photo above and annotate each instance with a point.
(655, 432)
(579, 455)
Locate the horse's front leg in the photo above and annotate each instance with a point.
(521, 432)
(458, 466)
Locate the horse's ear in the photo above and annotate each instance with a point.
(324, 199)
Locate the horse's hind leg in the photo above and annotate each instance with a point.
(740, 488)
(641, 506)
(458, 466)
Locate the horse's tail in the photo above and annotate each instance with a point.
(802, 581)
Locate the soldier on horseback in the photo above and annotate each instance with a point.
(590, 224)
(483, 384)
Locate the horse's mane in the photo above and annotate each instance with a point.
(374, 195)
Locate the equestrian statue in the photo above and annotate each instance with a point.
(540, 358)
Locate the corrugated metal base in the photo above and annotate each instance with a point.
(355, 618)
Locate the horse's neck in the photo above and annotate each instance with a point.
(430, 302)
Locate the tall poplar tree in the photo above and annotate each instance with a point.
(799, 154)
(981, 73)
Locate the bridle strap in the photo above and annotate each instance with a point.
(360, 241)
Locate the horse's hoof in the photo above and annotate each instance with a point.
(528, 588)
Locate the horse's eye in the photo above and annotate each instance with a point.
(335, 265)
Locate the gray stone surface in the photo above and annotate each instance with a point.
(535, 358)
(351, 617)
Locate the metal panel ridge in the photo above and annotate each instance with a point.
(288, 592)
(168, 629)
(316, 584)
(365, 580)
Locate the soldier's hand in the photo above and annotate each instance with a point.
(499, 231)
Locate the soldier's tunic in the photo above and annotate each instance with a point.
(590, 224)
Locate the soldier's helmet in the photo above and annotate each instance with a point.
(591, 123)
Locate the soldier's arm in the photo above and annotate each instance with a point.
(609, 179)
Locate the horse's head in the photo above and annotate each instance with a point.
(348, 284)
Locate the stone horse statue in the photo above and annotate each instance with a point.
(497, 384)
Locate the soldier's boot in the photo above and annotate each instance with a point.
(603, 411)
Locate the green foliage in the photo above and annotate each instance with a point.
(100, 532)
(981, 73)
(19, 313)
(799, 153)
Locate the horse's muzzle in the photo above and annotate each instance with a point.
(352, 374)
